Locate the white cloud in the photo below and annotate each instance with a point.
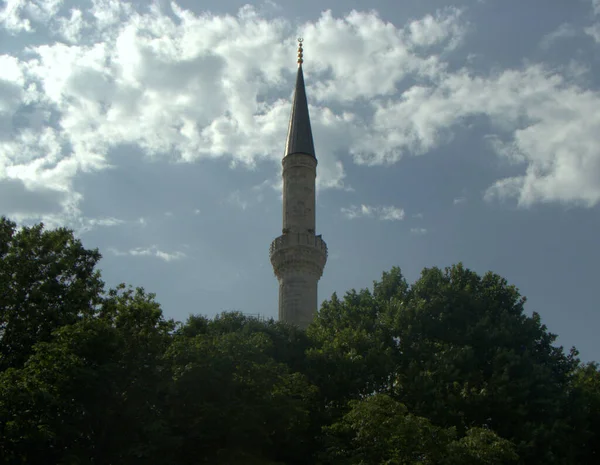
(109, 13)
(391, 214)
(193, 87)
(552, 126)
(594, 30)
(433, 30)
(10, 16)
(255, 195)
(459, 200)
(88, 224)
(384, 213)
(18, 15)
(10, 70)
(152, 251)
(196, 87)
(386, 54)
(238, 200)
(418, 231)
(71, 28)
(564, 31)
(110, 221)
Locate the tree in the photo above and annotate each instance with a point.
(288, 343)
(455, 348)
(471, 357)
(380, 430)
(231, 401)
(353, 352)
(585, 408)
(450, 370)
(47, 280)
(94, 392)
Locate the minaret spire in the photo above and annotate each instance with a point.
(300, 139)
(299, 255)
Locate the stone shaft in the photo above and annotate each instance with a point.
(298, 256)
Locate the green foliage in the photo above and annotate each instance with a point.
(353, 351)
(92, 391)
(47, 280)
(586, 410)
(457, 349)
(378, 429)
(232, 401)
(449, 370)
(471, 357)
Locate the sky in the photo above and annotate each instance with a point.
(445, 132)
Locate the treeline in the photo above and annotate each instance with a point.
(448, 370)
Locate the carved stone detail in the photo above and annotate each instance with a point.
(297, 252)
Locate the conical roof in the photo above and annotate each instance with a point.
(299, 139)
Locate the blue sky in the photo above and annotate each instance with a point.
(465, 132)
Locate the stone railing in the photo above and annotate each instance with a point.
(298, 239)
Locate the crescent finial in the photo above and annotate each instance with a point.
(300, 51)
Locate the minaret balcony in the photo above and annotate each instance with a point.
(293, 249)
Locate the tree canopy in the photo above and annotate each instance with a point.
(448, 370)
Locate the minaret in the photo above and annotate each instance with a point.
(298, 256)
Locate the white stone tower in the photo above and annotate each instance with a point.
(298, 256)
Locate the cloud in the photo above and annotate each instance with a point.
(254, 195)
(18, 15)
(459, 200)
(564, 31)
(152, 251)
(549, 124)
(432, 30)
(384, 213)
(594, 30)
(418, 231)
(387, 54)
(189, 87)
(106, 221)
(391, 213)
(238, 200)
(89, 224)
(72, 27)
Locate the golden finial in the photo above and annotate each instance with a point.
(300, 60)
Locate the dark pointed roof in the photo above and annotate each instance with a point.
(300, 139)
